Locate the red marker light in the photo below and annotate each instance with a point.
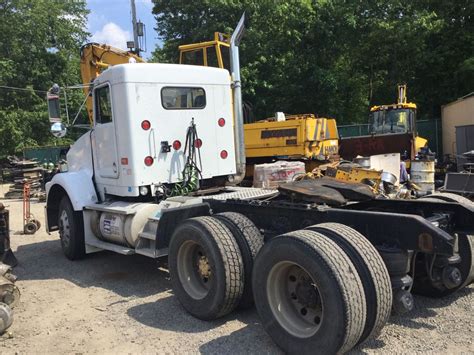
(198, 143)
(224, 154)
(176, 145)
(221, 122)
(146, 125)
(148, 161)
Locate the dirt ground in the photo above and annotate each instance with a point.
(110, 303)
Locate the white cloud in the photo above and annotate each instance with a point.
(113, 35)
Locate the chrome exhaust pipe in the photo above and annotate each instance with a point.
(238, 112)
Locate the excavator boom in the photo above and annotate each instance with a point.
(95, 58)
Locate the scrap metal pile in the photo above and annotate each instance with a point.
(21, 172)
(339, 182)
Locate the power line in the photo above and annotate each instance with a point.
(20, 89)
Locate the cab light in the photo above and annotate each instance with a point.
(221, 122)
(176, 145)
(198, 143)
(146, 125)
(148, 161)
(224, 154)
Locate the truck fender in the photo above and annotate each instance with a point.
(77, 185)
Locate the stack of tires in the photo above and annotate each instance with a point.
(325, 287)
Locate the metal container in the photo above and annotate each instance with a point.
(422, 174)
(364, 162)
(389, 178)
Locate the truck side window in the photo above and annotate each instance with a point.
(182, 98)
(103, 105)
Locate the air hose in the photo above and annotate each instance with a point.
(191, 174)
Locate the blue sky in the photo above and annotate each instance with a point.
(110, 21)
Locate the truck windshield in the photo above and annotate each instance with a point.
(392, 121)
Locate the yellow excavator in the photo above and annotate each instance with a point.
(291, 137)
(95, 58)
(392, 130)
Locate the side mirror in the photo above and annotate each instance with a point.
(54, 110)
(58, 129)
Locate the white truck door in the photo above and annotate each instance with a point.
(104, 133)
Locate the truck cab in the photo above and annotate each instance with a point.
(141, 117)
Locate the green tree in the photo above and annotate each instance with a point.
(39, 46)
(335, 57)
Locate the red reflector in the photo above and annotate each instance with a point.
(148, 161)
(198, 143)
(176, 145)
(221, 122)
(146, 125)
(124, 161)
(224, 154)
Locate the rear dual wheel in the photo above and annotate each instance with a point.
(308, 294)
(422, 283)
(371, 269)
(206, 267)
(449, 197)
(211, 261)
(250, 240)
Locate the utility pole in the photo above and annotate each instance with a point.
(135, 29)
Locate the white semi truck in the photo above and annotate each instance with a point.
(157, 175)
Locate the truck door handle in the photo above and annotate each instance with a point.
(114, 167)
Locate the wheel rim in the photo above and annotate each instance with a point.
(64, 228)
(194, 270)
(294, 299)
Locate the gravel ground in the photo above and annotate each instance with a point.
(124, 304)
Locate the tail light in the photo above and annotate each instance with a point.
(224, 154)
(198, 143)
(176, 145)
(148, 161)
(221, 122)
(146, 125)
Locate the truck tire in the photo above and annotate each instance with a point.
(71, 230)
(422, 285)
(450, 197)
(372, 271)
(206, 267)
(308, 294)
(250, 240)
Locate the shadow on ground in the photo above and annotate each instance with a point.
(251, 338)
(127, 276)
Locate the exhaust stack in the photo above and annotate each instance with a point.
(238, 112)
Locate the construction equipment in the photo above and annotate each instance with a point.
(213, 53)
(292, 137)
(392, 130)
(95, 58)
(157, 176)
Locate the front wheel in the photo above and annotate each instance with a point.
(71, 230)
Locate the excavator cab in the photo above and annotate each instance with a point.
(396, 118)
(213, 53)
